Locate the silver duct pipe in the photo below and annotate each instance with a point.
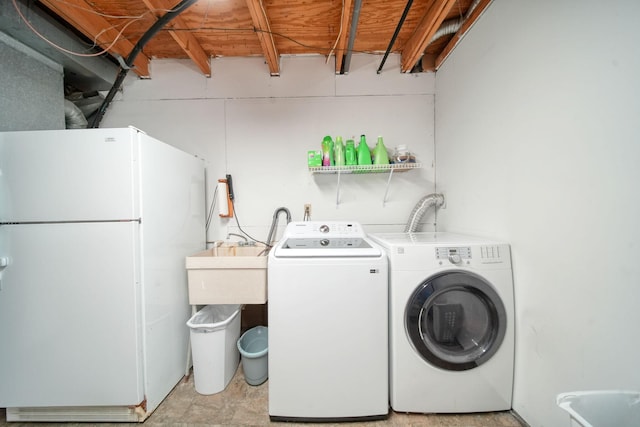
(434, 199)
(73, 117)
(453, 25)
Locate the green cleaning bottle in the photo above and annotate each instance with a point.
(380, 155)
(338, 152)
(327, 151)
(350, 156)
(364, 154)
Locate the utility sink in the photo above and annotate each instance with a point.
(228, 273)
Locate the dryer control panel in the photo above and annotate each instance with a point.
(454, 254)
(463, 254)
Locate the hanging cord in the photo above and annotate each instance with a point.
(339, 34)
(235, 214)
(151, 32)
(62, 49)
(212, 207)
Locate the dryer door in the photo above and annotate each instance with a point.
(455, 320)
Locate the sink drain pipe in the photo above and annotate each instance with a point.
(128, 63)
(434, 199)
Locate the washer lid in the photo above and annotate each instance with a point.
(326, 247)
(325, 239)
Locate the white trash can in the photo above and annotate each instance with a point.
(605, 408)
(214, 332)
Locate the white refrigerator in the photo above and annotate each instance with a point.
(95, 225)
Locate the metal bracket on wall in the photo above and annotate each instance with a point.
(364, 169)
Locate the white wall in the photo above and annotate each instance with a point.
(259, 128)
(537, 143)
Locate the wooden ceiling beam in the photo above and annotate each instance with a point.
(415, 46)
(468, 23)
(185, 39)
(345, 24)
(263, 30)
(76, 13)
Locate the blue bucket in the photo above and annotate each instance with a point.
(253, 346)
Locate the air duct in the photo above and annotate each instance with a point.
(73, 117)
(434, 199)
(450, 26)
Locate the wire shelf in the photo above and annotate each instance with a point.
(364, 169)
(396, 167)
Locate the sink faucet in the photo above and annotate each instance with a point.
(275, 220)
(238, 235)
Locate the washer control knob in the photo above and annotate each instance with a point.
(324, 242)
(324, 228)
(455, 259)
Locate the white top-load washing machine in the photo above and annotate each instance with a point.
(451, 323)
(328, 324)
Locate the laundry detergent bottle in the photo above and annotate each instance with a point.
(364, 154)
(338, 152)
(350, 156)
(327, 151)
(380, 155)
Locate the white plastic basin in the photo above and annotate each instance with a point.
(605, 408)
(228, 274)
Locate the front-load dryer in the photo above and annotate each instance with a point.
(451, 323)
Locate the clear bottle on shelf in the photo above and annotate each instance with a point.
(402, 154)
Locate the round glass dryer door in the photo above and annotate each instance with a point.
(455, 320)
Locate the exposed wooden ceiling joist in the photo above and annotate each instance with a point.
(270, 28)
(185, 39)
(341, 45)
(415, 46)
(95, 27)
(263, 30)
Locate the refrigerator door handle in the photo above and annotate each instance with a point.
(72, 221)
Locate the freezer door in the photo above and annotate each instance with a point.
(70, 315)
(82, 174)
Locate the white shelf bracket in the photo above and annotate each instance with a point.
(359, 169)
(338, 191)
(386, 191)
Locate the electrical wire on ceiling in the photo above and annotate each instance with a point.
(339, 35)
(37, 33)
(135, 18)
(131, 18)
(264, 12)
(128, 63)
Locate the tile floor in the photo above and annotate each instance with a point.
(243, 405)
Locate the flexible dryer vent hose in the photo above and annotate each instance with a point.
(434, 199)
